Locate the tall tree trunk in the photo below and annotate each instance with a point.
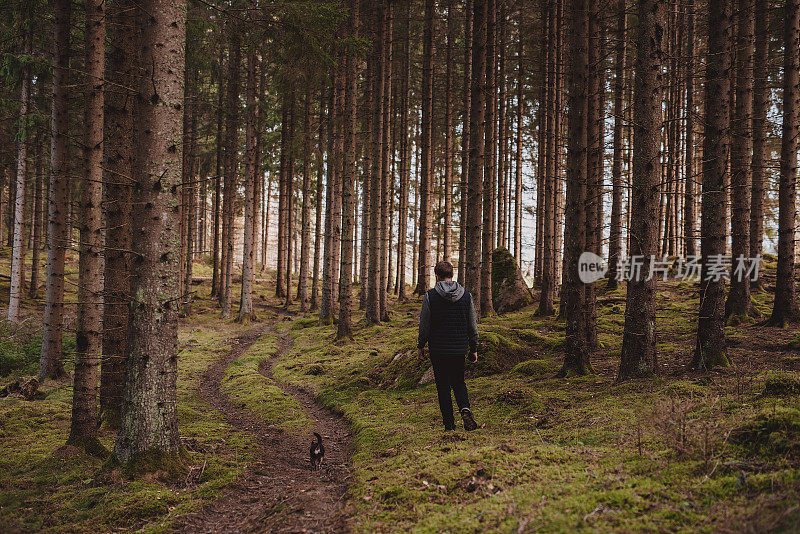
(448, 136)
(231, 165)
(465, 139)
(50, 363)
(386, 203)
(711, 350)
(326, 307)
(639, 357)
(426, 172)
(318, 229)
(289, 203)
(18, 234)
(785, 308)
(576, 344)
(490, 169)
(215, 208)
(594, 169)
(36, 242)
(759, 126)
(118, 158)
(518, 166)
(738, 303)
(280, 289)
(246, 310)
(149, 430)
(615, 235)
(190, 193)
(549, 258)
(689, 212)
(374, 281)
(405, 155)
(88, 334)
(477, 114)
(350, 127)
(305, 217)
(502, 130)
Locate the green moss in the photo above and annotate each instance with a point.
(248, 388)
(169, 465)
(534, 368)
(781, 385)
(771, 432)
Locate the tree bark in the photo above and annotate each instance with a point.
(549, 258)
(518, 167)
(759, 126)
(386, 189)
(615, 235)
(18, 234)
(711, 350)
(318, 229)
(738, 304)
(689, 212)
(305, 217)
(465, 140)
(349, 179)
(785, 308)
(246, 311)
(448, 136)
(576, 346)
(639, 358)
(426, 171)
(50, 363)
(374, 280)
(36, 242)
(88, 334)
(231, 165)
(405, 155)
(477, 114)
(490, 170)
(215, 208)
(149, 430)
(118, 159)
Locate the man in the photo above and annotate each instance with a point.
(448, 325)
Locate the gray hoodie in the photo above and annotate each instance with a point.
(451, 291)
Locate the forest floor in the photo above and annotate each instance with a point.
(688, 451)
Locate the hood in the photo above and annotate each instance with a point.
(449, 290)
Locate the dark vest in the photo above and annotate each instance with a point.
(449, 323)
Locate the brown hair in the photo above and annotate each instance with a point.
(443, 270)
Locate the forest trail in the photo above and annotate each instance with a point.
(278, 492)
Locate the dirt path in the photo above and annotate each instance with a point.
(278, 492)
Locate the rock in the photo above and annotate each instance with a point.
(427, 377)
(509, 290)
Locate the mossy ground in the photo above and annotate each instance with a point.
(685, 452)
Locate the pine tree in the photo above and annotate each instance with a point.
(472, 261)
(638, 356)
(738, 304)
(149, 414)
(117, 201)
(711, 349)
(50, 363)
(576, 344)
(88, 334)
(785, 308)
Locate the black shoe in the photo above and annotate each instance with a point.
(469, 421)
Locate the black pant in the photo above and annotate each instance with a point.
(448, 371)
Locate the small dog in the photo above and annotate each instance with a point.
(317, 452)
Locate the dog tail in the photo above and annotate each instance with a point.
(319, 438)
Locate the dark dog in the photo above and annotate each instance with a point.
(317, 452)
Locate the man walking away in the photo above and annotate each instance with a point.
(448, 325)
